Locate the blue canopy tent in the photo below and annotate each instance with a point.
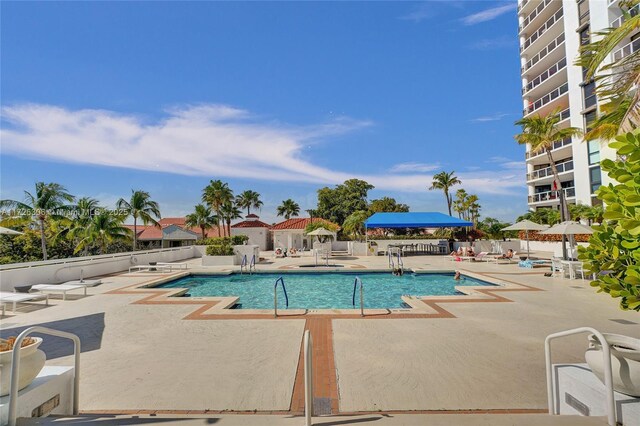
(413, 220)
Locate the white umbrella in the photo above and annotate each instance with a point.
(526, 225)
(8, 231)
(321, 233)
(568, 228)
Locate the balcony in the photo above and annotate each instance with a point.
(534, 13)
(551, 195)
(556, 145)
(522, 5)
(544, 52)
(567, 166)
(633, 12)
(543, 29)
(549, 97)
(626, 50)
(562, 63)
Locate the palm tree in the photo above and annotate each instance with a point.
(103, 229)
(49, 201)
(354, 223)
(473, 207)
(202, 218)
(249, 199)
(140, 206)
(85, 209)
(620, 111)
(460, 203)
(540, 133)
(216, 194)
(229, 212)
(444, 181)
(288, 208)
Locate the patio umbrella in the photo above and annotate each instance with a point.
(321, 232)
(526, 226)
(7, 231)
(568, 228)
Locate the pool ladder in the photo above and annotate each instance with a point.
(248, 266)
(392, 264)
(353, 299)
(275, 295)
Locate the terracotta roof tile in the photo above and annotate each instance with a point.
(298, 223)
(251, 224)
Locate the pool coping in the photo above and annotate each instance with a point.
(211, 307)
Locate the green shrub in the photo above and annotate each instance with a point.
(236, 240)
(613, 253)
(220, 249)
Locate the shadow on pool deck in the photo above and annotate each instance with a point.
(89, 328)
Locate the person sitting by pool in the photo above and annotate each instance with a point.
(470, 252)
(279, 252)
(507, 255)
(292, 252)
(457, 276)
(397, 272)
(457, 253)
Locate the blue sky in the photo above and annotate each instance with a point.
(279, 97)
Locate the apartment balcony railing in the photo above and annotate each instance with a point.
(541, 173)
(535, 12)
(626, 50)
(543, 29)
(521, 5)
(633, 12)
(552, 195)
(556, 145)
(564, 114)
(554, 94)
(544, 52)
(544, 75)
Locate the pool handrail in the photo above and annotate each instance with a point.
(243, 264)
(275, 295)
(252, 264)
(15, 367)
(353, 299)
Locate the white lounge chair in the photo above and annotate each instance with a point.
(178, 265)
(86, 283)
(58, 288)
(150, 268)
(15, 298)
(507, 259)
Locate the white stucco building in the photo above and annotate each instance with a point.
(290, 233)
(258, 232)
(551, 33)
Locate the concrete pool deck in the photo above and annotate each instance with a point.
(465, 353)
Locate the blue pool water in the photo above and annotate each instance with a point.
(321, 290)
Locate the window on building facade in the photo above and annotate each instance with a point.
(589, 118)
(595, 176)
(589, 94)
(594, 152)
(583, 11)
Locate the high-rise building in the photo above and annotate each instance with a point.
(551, 33)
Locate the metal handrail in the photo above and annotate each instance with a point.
(543, 53)
(15, 367)
(391, 263)
(308, 377)
(275, 296)
(243, 264)
(400, 263)
(608, 376)
(353, 299)
(252, 264)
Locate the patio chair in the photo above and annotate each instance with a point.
(15, 298)
(58, 288)
(557, 267)
(579, 270)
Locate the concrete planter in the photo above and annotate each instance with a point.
(32, 360)
(218, 260)
(625, 362)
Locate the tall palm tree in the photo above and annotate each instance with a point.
(105, 228)
(460, 203)
(444, 181)
(249, 199)
(216, 194)
(354, 223)
(202, 218)
(85, 209)
(540, 133)
(620, 110)
(140, 206)
(288, 208)
(229, 211)
(49, 201)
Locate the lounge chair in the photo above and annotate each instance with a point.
(178, 265)
(15, 298)
(506, 259)
(86, 283)
(479, 257)
(58, 288)
(150, 268)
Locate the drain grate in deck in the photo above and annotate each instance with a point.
(321, 406)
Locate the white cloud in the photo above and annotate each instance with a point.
(507, 163)
(414, 167)
(418, 14)
(208, 140)
(489, 14)
(494, 117)
(493, 43)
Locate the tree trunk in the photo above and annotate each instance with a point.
(219, 221)
(43, 240)
(202, 228)
(564, 208)
(446, 195)
(135, 233)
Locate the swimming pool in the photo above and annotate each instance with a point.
(321, 290)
